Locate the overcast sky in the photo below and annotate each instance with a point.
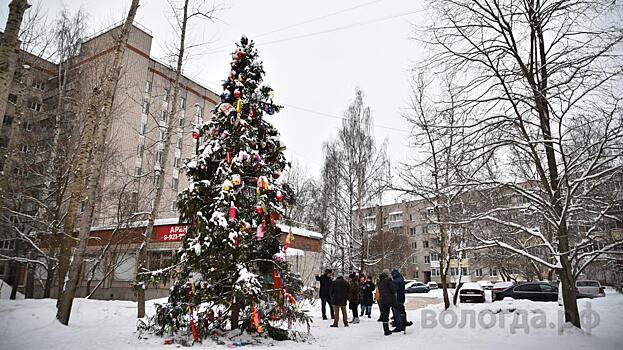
(315, 53)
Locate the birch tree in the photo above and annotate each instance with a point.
(537, 74)
(9, 48)
(183, 14)
(100, 107)
(356, 171)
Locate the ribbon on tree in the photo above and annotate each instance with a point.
(255, 319)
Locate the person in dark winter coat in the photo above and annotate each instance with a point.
(326, 281)
(400, 313)
(339, 291)
(387, 293)
(353, 296)
(367, 289)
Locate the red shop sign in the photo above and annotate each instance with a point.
(171, 233)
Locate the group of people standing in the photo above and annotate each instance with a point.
(359, 293)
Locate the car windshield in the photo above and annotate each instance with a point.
(587, 284)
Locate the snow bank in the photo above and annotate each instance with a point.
(96, 324)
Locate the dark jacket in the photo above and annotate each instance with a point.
(399, 285)
(339, 291)
(387, 290)
(367, 289)
(353, 294)
(325, 286)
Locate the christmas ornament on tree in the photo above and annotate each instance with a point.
(234, 242)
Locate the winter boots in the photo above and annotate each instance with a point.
(386, 330)
(355, 320)
(401, 327)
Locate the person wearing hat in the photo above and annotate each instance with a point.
(326, 280)
(339, 291)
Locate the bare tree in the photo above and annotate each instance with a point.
(100, 107)
(535, 74)
(355, 174)
(188, 11)
(9, 47)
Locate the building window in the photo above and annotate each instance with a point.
(413, 245)
(493, 272)
(199, 112)
(7, 121)
(27, 126)
(159, 157)
(181, 122)
(137, 171)
(124, 267)
(165, 95)
(82, 205)
(163, 115)
(24, 148)
(478, 272)
(145, 106)
(434, 272)
(140, 150)
(434, 256)
(464, 271)
(147, 87)
(412, 231)
(143, 129)
(35, 106)
(395, 219)
(13, 98)
(426, 259)
(369, 223)
(425, 244)
(174, 183)
(430, 212)
(182, 103)
(156, 180)
(178, 144)
(7, 244)
(176, 162)
(19, 171)
(38, 84)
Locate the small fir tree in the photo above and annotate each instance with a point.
(231, 268)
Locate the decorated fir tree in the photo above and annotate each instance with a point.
(232, 270)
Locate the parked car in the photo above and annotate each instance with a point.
(589, 289)
(486, 285)
(471, 292)
(535, 291)
(432, 285)
(417, 287)
(500, 286)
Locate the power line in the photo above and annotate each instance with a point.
(344, 118)
(317, 18)
(326, 31)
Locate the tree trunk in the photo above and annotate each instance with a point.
(142, 252)
(9, 48)
(29, 286)
(15, 134)
(108, 89)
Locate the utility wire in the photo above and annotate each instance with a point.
(326, 31)
(344, 118)
(317, 18)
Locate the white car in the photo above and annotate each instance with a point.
(589, 289)
(471, 292)
(486, 285)
(432, 285)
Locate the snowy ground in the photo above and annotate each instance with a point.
(30, 324)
